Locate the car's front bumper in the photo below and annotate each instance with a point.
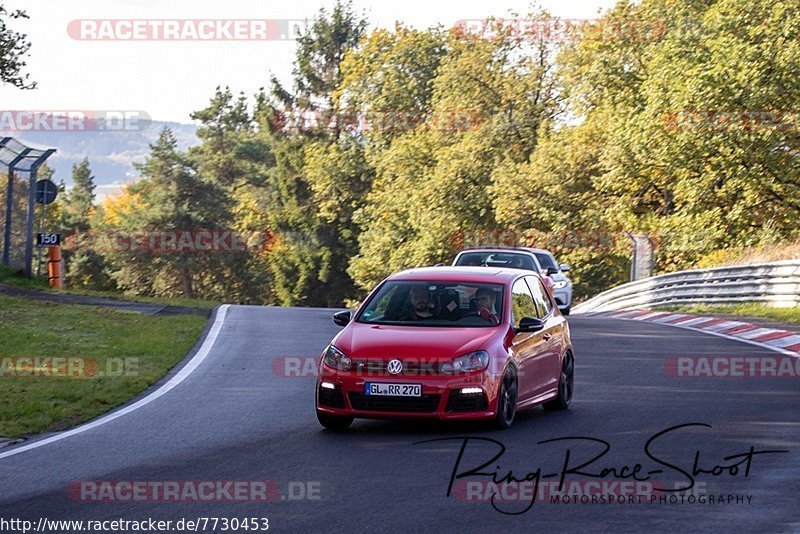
(441, 397)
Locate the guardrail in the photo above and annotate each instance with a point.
(777, 284)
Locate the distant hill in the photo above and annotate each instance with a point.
(111, 154)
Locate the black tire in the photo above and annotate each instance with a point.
(566, 385)
(507, 400)
(566, 310)
(338, 423)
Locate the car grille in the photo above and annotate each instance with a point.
(459, 402)
(331, 397)
(423, 404)
(410, 368)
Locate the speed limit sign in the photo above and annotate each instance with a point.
(48, 239)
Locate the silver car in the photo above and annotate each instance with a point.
(529, 259)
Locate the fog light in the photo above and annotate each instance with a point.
(327, 385)
(470, 391)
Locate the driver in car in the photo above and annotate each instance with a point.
(418, 301)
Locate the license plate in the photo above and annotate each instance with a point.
(393, 390)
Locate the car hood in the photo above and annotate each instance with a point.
(559, 277)
(384, 342)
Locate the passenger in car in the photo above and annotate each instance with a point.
(484, 302)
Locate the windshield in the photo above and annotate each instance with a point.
(546, 261)
(435, 304)
(509, 260)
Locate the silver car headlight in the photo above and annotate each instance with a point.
(560, 284)
(474, 361)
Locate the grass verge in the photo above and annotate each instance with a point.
(13, 277)
(111, 356)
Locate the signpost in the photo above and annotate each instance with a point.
(46, 192)
(642, 260)
(48, 239)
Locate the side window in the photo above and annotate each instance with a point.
(540, 296)
(522, 301)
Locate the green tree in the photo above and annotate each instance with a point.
(316, 174)
(79, 202)
(235, 157)
(488, 101)
(85, 267)
(172, 196)
(699, 122)
(14, 47)
(320, 51)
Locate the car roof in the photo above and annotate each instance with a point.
(506, 249)
(462, 274)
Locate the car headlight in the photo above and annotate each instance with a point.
(474, 361)
(560, 284)
(337, 359)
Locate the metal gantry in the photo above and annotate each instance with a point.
(21, 157)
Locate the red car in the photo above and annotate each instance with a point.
(449, 343)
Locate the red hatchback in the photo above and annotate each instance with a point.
(449, 343)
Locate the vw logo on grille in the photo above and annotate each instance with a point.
(395, 367)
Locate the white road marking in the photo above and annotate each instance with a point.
(670, 317)
(724, 326)
(750, 334)
(695, 321)
(784, 341)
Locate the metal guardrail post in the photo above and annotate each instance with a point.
(10, 202)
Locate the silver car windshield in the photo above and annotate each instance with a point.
(546, 261)
(512, 260)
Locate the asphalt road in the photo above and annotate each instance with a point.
(235, 419)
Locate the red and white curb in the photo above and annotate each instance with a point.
(782, 341)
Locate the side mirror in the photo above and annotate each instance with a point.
(530, 324)
(564, 267)
(551, 270)
(440, 264)
(342, 318)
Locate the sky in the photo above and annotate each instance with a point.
(168, 80)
